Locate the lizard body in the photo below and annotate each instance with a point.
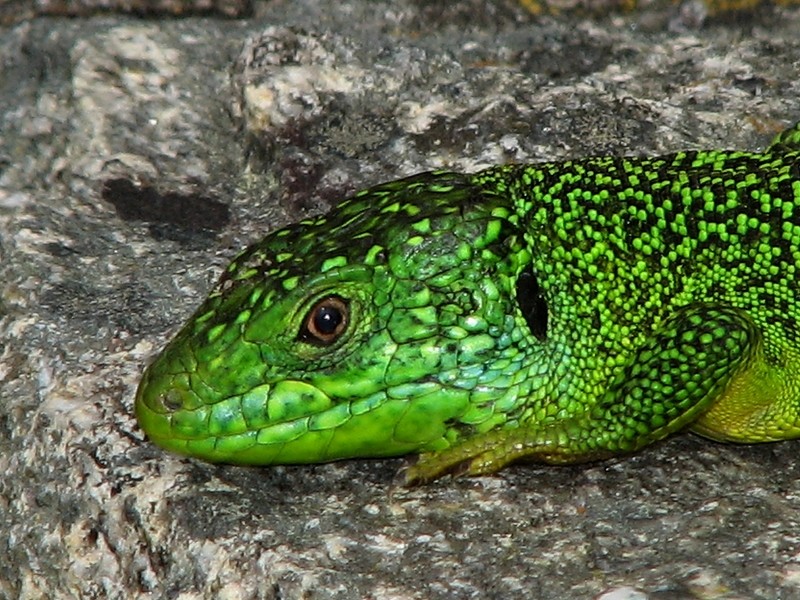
(559, 312)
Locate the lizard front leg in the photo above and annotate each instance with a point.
(673, 378)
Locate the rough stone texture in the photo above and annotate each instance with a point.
(12, 11)
(136, 157)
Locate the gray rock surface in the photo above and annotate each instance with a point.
(136, 157)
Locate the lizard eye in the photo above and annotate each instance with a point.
(326, 321)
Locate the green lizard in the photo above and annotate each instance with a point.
(558, 312)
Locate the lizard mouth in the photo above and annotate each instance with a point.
(264, 425)
(288, 422)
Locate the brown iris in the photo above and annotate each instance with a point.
(326, 321)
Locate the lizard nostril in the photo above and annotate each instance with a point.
(172, 400)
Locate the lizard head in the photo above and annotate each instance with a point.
(385, 327)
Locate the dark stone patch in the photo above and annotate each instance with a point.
(16, 10)
(300, 176)
(568, 55)
(59, 249)
(171, 215)
(435, 15)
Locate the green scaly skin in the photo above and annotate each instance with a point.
(558, 312)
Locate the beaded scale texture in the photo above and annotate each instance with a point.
(558, 312)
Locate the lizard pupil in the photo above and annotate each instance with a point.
(326, 321)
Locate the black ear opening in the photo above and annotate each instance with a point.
(532, 304)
